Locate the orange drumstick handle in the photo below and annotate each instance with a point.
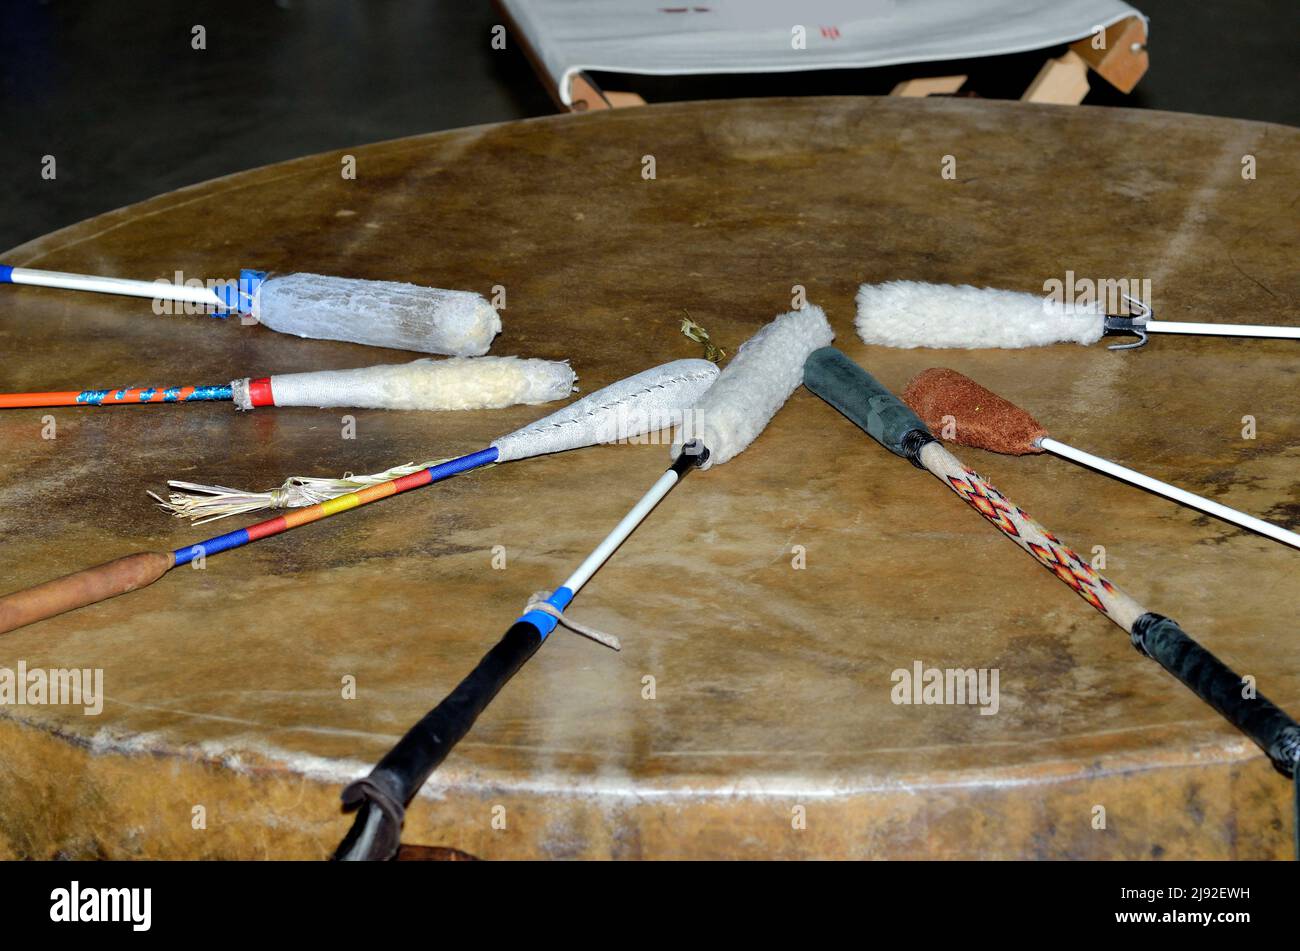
(84, 587)
(16, 400)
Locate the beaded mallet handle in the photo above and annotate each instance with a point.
(884, 417)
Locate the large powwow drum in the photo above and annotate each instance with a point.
(825, 653)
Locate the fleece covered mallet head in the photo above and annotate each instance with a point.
(916, 314)
(766, 369)
(379, 313)
(645, 402)
(456, 383)
(910, 314)
(962, 411)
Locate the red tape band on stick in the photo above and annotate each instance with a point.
(259, 392)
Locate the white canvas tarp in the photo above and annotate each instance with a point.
(667, 37)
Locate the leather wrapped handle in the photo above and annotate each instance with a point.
(859, 396)
(1220, 686)
(381, 798)
(88, 586)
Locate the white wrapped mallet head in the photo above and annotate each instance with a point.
(766, 369)
(454, 383)
(649, 401)
(908, 314)
(378, 313)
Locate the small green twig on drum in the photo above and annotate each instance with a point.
(693, 331)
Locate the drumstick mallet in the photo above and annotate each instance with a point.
(649, 401)
(594, 418)
(916, 314)
(982, 419)
(762, 375)
(888, 420)
(378, 313)
(448, 384)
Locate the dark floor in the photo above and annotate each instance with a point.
(115, 92)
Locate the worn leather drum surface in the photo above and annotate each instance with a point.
(765, 605)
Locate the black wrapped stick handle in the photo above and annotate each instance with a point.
(1267, 724)
(381, 797)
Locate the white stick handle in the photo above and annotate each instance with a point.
(160, 290)
(621, 531)
(1222, 330)
(1181, 496)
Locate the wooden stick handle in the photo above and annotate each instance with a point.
(84, 587)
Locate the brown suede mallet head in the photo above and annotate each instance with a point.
(982, 418)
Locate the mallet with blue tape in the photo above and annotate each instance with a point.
(377, 313)
(762, 375)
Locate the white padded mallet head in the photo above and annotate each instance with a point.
(378, 313)
(910, 314)
(766, 369)
(651, 400)
(451, 384)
